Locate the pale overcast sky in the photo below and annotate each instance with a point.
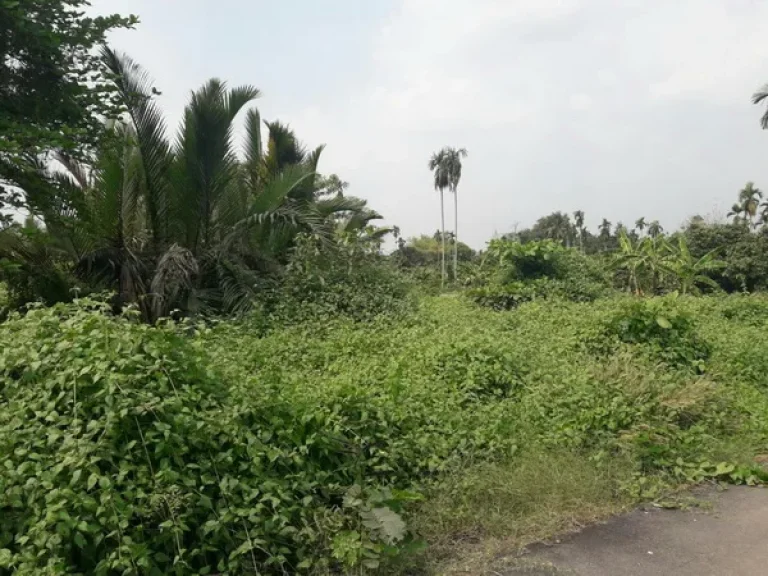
(620, 108)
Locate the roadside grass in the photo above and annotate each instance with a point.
(494, 509)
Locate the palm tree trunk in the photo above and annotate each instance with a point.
(455, 235)
(442, 235)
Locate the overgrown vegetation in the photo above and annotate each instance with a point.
(208, 364)
(184, 449)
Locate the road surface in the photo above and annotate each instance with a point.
(728, 538)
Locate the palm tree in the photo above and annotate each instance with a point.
(655, 229)
(578, 218)
(745, 209)
(190, 224)
(640, 224)
(446, 166)
(758, 98)
(604, 233)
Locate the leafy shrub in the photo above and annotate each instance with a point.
(123, 453)
(543, 269)
(665, 330)
(750, 310)
(326, 284)
(502, 296)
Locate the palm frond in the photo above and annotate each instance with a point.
(135, 89)
(253, 150)
(339, 204)
(173, 276)
(758, 98)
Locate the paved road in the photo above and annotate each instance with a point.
(730, 539)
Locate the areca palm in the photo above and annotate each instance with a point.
(446, 166)
(578, 218)
(745, 209)
(655, 229)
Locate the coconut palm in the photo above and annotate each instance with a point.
(446, 166)
(640, 224)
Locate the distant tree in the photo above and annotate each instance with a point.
(446, 166)
(578, 218)
(745, 209)
(332, 186)
(556, 226)
(640, 224)
(655, 229)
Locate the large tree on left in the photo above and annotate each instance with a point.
(54, 91)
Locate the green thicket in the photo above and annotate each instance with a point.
(186, 449)
(202, 225)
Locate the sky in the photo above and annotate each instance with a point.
(619, 108)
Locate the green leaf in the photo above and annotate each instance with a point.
(663, 322)
(724, 468)
(6, 558)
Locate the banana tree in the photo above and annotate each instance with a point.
(692, 272)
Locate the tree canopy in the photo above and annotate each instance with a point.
(54, 89)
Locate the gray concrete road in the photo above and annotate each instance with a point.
(728, 539)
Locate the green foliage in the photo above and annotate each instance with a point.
(515, 273)
(744, 253)
(53, 88)
(667, 332)
(122, 451)
(183, 449)
(185, 226)
(345, 281)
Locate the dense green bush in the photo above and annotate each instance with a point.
(667, 332)
(515, 273)
(123, 452)
(346, 282)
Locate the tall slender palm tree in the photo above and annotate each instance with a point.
(578, 219)
(604, 233)
(745, 209)
(438, 164)
(640, 224)
(446, 165)
(455, 157)
(655, 229)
